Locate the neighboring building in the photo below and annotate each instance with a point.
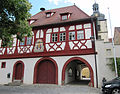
(117, 36)
(105, 54)
(101, 23)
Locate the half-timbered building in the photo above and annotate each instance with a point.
(59, 51)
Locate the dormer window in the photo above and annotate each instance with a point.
(49, 14)
(65, 16)
(32, 20)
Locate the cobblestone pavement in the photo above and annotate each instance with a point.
(48, 89)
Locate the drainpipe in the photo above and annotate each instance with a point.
(93, 39)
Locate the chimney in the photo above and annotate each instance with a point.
(42, 9)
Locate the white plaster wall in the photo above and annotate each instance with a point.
(5, 71)
(29, 64)
(104, 36)
(103, 68)
(29, 70)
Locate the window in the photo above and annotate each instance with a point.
(29, 40)
(71, 35)
(3, 65)
(26, 41)
(70, 72)
(108, 51)
(80, 34)
(54, 37)
(64, 17)
(48, 15)
(98, 27)
(22, 42)
(62, 36)
(99, 37)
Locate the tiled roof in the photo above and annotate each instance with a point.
(117, 29)
(41, 19)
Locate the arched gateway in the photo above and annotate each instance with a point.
(18, 71)
(72, 72)
(46, 71)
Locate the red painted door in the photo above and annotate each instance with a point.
(18, 72)
(46, 73)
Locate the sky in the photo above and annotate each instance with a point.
(86, 6)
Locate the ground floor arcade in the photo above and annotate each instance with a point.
(50, 70)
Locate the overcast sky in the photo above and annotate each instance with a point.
(86, 6)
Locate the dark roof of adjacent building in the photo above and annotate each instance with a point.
(41, 19)
(117, 29)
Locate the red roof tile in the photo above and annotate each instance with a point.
(41, 19)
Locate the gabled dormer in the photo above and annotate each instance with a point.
(65, 16)
(49, 14)
(31, 21)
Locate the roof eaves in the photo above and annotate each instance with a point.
(68, 22)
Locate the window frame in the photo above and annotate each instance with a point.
(25, 41)
(62, 36)
(54, 37)
(48, 15)
(64, 17)
(72, 35)
(3, 65)
(29, 41)
(81, 35)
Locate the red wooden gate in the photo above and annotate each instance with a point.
(18, 72)
(46, 72)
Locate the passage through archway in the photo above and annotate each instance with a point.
(77, 71)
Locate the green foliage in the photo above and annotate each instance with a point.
(13, 20)
(112, 65)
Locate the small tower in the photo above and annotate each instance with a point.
(96, 12)
(95, 8)
(101, 23)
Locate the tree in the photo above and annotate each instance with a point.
(13, 20)
(112, 65)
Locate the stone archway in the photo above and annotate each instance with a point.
(71, 62)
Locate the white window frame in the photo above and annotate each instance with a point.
(62, 36)
(64, 17)
(22, 42)
(72, 35)
(54, 37)
(48, 15)
(29, 41)
(80, 34)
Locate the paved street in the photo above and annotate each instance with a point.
(48, 89)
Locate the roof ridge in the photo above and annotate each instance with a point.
(49, 10)
(81, 10)
(59, 8)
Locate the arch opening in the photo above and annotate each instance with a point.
(77, 71)
(18, 71)
(46, 72)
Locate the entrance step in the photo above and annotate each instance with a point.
(14, 83)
